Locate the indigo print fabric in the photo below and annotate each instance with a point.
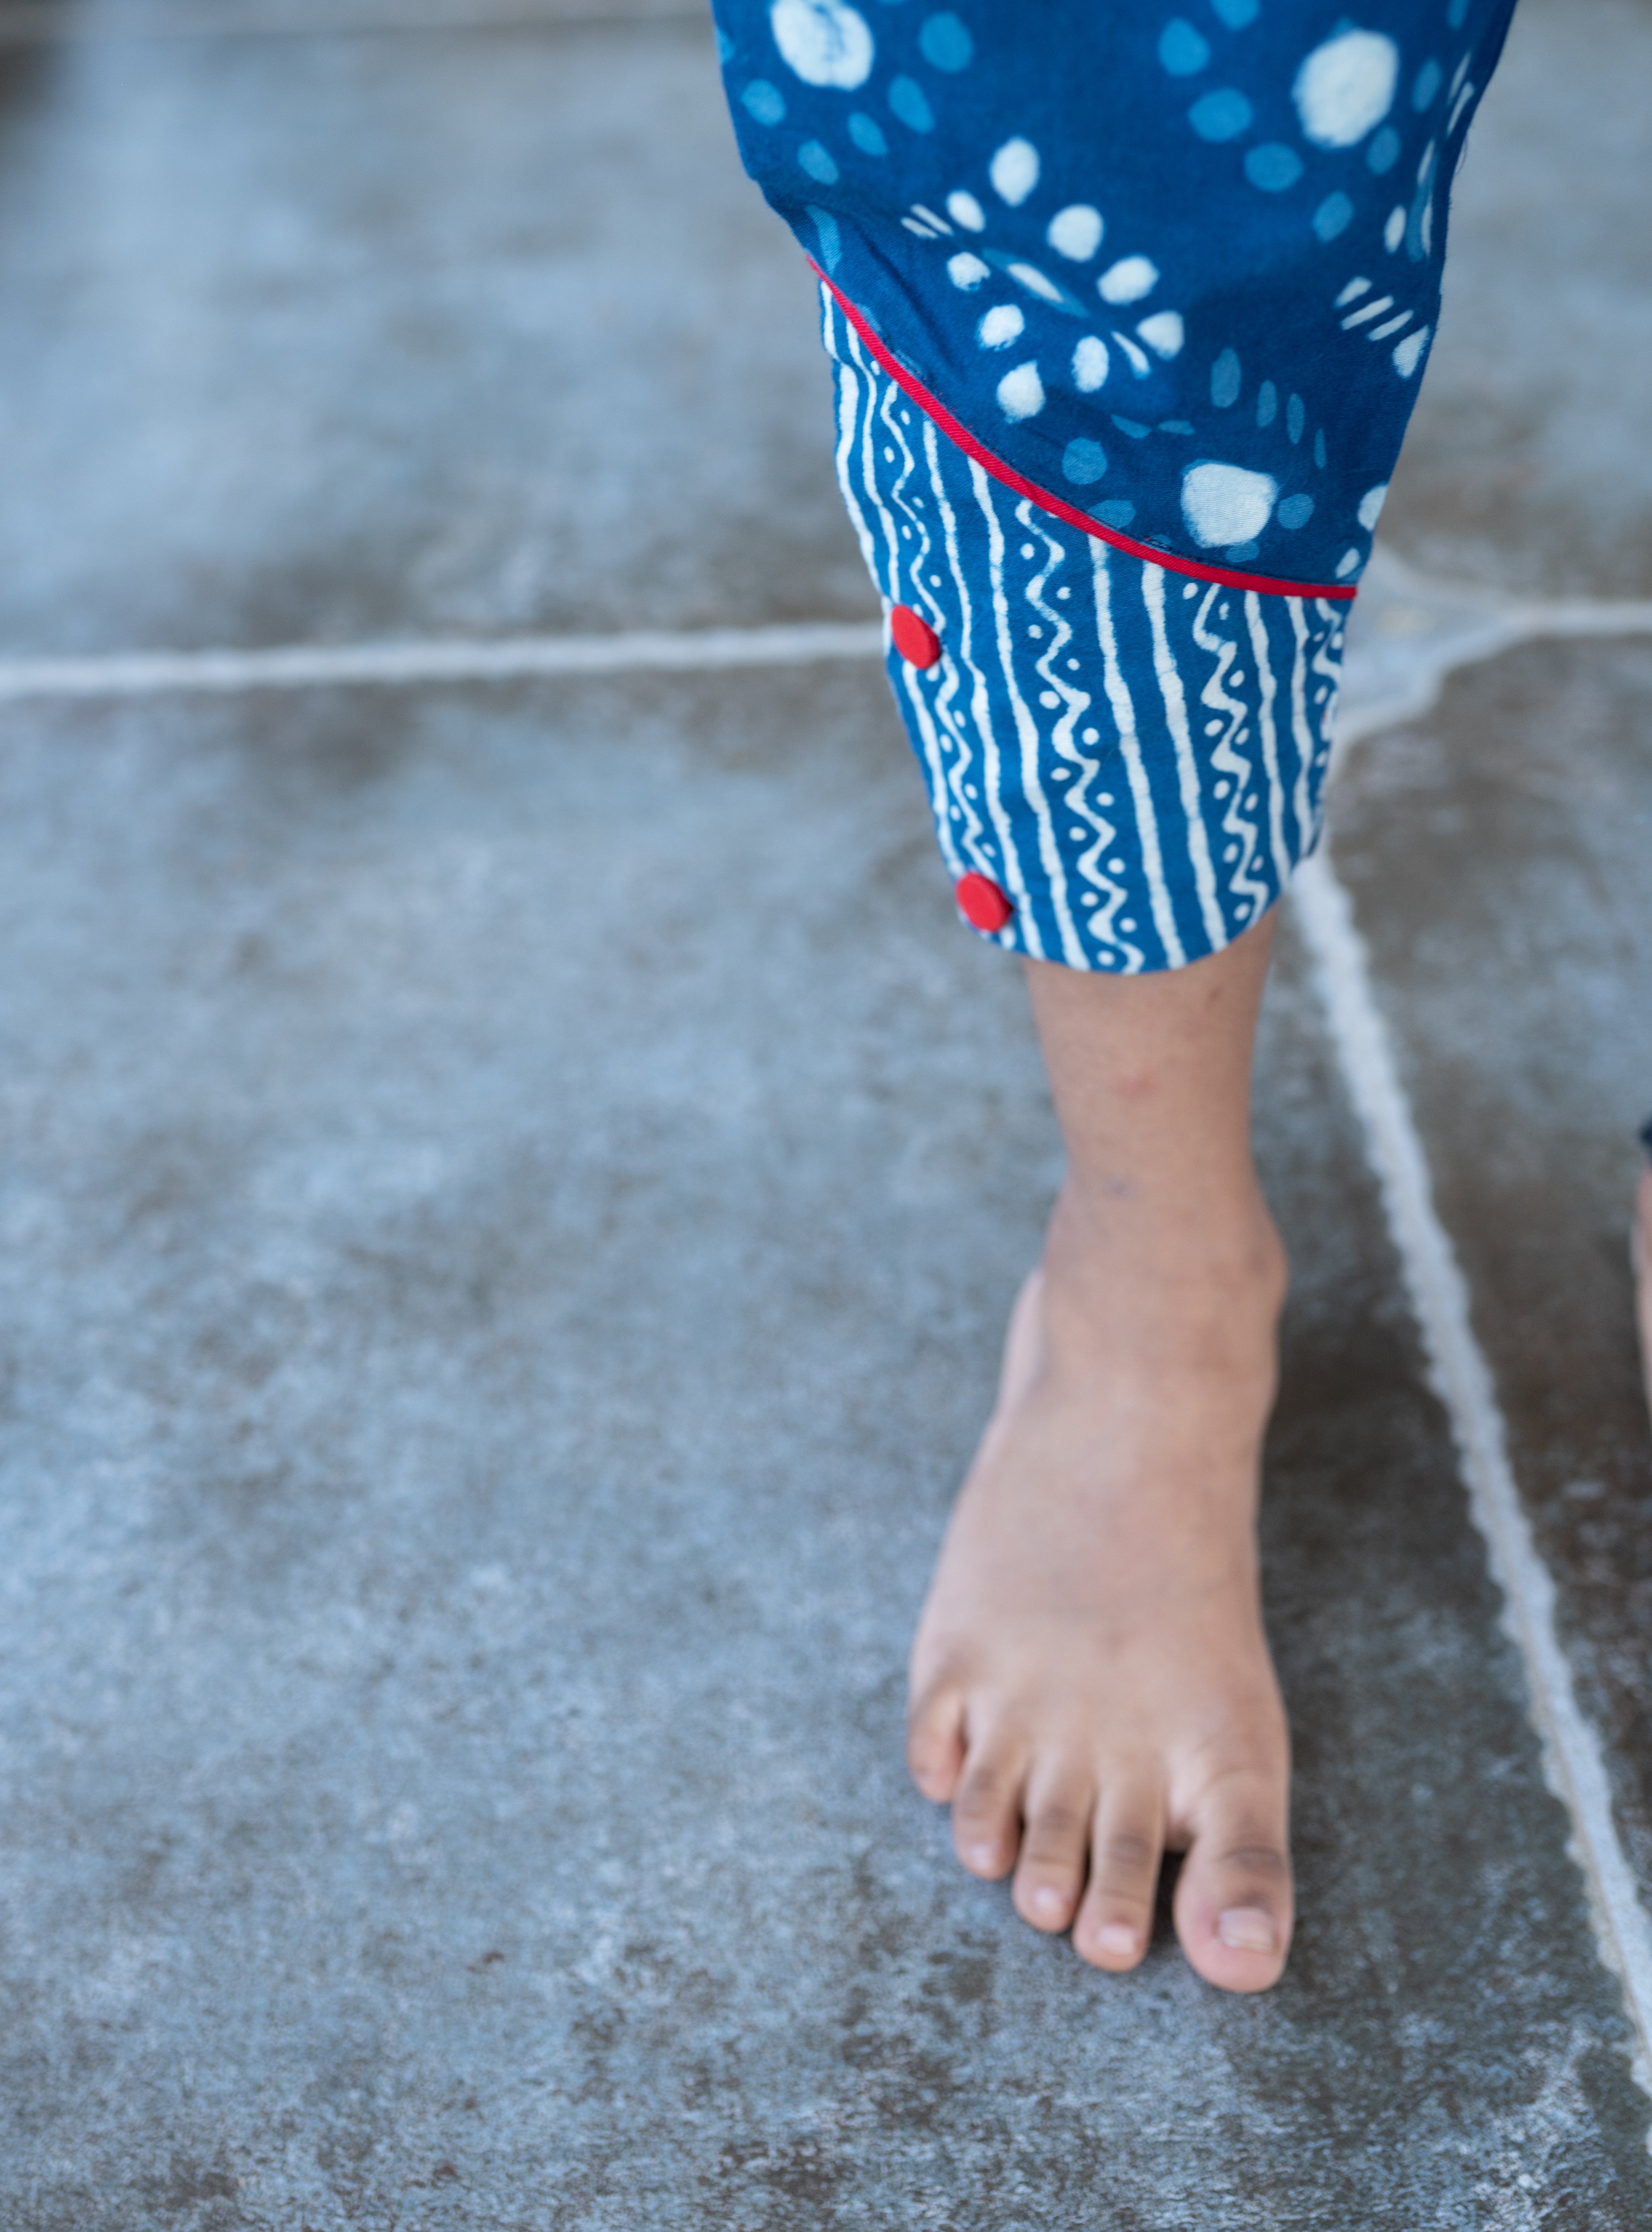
(1125, 763)
(1172, 270)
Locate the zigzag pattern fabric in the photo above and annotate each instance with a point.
(1135, 760)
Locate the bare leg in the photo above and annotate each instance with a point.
(1090, 1683)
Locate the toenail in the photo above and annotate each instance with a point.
(980, 1856)
(1247, 1930)
(1048, 1900)
(1116, 1937)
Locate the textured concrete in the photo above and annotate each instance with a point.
(1499, 854)
(507, 1231)
(487, 333)
(509, 1196)
(1529, 462)
(29, 22)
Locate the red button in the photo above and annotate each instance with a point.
(982, 902)
(914, 638)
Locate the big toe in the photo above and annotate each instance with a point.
(935, 1741)
(1233, 1903)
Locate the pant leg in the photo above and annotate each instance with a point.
(1125, 763)
(1150, 295)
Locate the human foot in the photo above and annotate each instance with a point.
(1090, 1682)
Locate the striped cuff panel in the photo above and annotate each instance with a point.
(1134, 761)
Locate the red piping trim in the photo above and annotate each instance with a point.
(966, 441)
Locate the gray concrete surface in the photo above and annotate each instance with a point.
(350, 336)
(1527, 461)
(509, 1196)
(1499, 854)
(507, 1234)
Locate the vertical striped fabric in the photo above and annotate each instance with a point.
(1135, 759)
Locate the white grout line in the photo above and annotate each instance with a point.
(1413, 631)
(1585, 616)
(503, 659)
(1490, 624)
(1573, 1758)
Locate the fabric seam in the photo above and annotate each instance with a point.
(1194, 569)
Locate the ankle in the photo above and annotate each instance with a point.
(1192, 1298)
(1219, 1249)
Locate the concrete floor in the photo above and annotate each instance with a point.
(511, 1192)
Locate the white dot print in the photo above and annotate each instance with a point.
(1128, 280)
(1021, 393)
(1346, 88)
(1075, 232)
(1163, 333)
(824, 43)
(1003, 324)
(1225, 505)
(1089, 364)
(1014, 171)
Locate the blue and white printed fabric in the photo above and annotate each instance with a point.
(1135, 759)
(1175, 264)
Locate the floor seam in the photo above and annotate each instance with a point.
(1444, 626)
(1498, 624)
(1573, 1757)
(436, 658)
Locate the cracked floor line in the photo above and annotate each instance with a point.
(408, 663)
(1411, 632)
(1574, 1757)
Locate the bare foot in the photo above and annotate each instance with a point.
(1090, 1682)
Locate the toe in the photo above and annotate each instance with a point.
(1115, 1921)
(1233, 1901)
(935, 1742)
(1049, 1873)
(986, 1812)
